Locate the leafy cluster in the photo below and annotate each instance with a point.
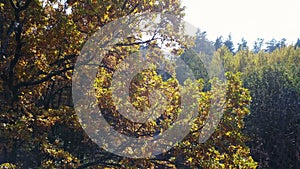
(40, 41)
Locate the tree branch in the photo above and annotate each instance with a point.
(102, 161)
(44, 79)
(138, 43)
(124, 5)
(133, 9)
(99, 163)
(59, 61)
(18, 28)
(25, 5)
(13, 4)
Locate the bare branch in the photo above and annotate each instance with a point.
(138, 43)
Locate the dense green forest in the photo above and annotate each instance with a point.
(271, 74)
(40, 42)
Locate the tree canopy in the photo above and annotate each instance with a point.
(41, 42)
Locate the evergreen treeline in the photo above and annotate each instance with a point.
(272, 74)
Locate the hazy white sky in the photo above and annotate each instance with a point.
(246, 18)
